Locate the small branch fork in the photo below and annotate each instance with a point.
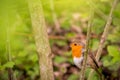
(104, 35)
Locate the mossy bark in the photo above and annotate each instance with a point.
(41, 40)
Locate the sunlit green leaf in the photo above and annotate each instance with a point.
(34, 57)
(9, 64)
(73, 77)
(113, 51)
(22, 53)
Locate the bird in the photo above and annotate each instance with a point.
(78, 49)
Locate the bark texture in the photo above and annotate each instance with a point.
(41, 40)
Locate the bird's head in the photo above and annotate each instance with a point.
(77, 48)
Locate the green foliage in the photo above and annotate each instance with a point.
(61, 42)
(59, 59)
(14, 15)
(98, 25)
(113, 56)
(94, 44)
(69, 35)
(69, 59)
(113, 36)
(112, 60)
(113, 51)
(65, 25)
(9, 64)
(73, 77)
(68, 54)
(95, 77)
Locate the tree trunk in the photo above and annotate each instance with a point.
(41, 40)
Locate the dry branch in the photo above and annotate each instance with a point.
(82, 76)
(104, 35)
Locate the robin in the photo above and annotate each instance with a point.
(78, 49)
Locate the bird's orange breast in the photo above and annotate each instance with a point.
(76, 51)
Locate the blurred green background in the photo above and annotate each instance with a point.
(16, 37)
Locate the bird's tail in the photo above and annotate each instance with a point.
(94, 60)
(96, 67)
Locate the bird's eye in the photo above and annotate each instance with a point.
(75, 44)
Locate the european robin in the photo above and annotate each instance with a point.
(78, 49)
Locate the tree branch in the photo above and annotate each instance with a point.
(82, 76)
(104, 35)
(41, 40)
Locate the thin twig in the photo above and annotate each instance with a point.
(97, 11)
(87, 44)
(104, 35)
(8, 51)
(54, 16)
